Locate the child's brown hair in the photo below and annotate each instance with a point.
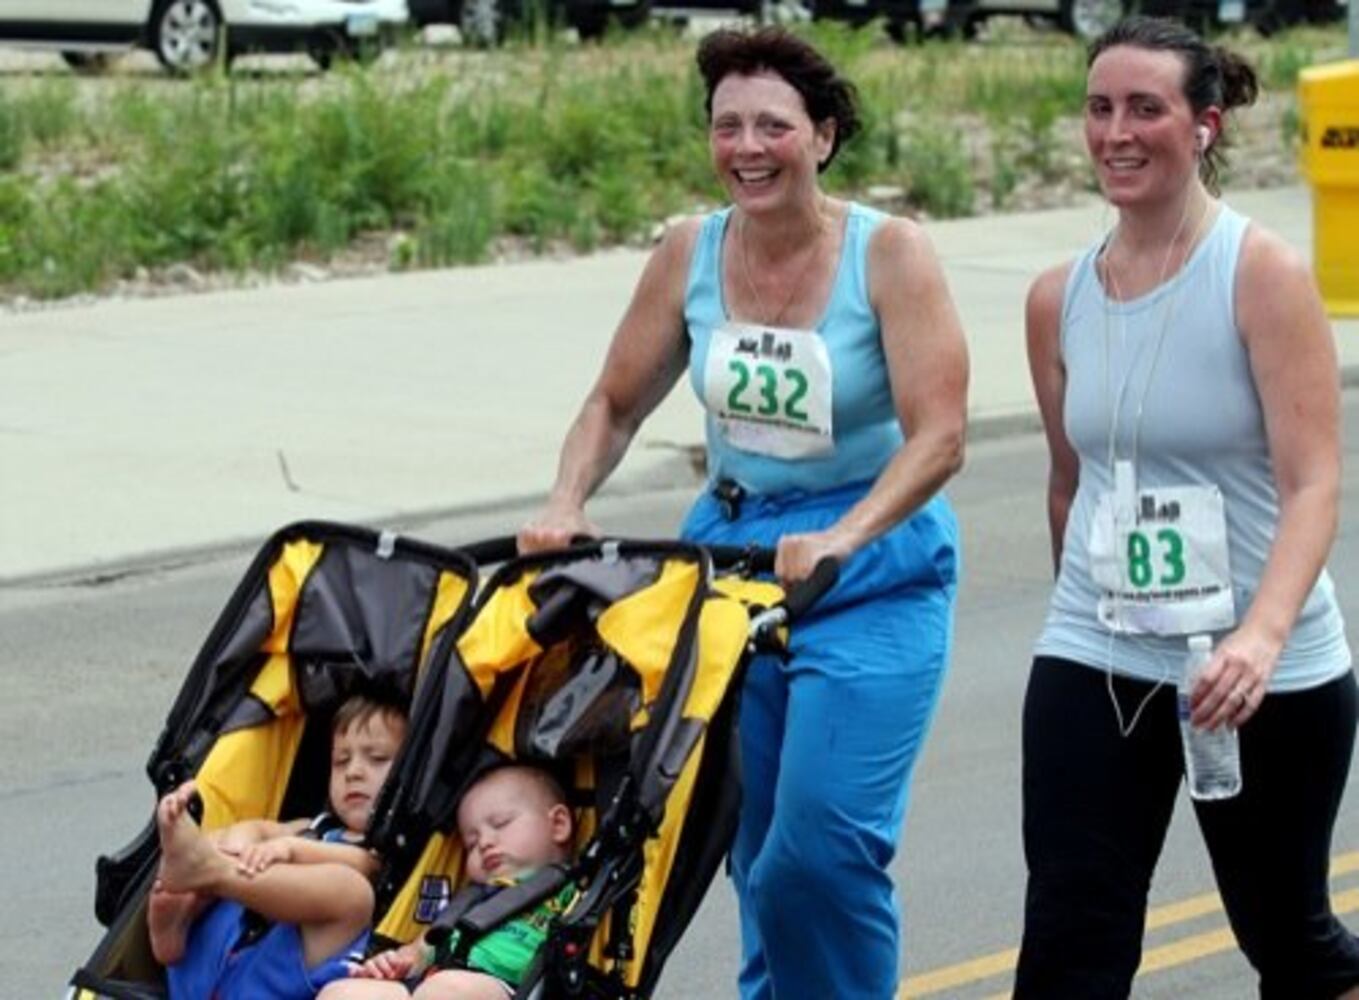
(357, 709)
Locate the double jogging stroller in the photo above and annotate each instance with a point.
(615, 665)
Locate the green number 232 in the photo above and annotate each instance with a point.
(766, 386)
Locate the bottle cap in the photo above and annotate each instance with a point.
(1201, 643)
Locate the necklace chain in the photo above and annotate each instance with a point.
(793, 289)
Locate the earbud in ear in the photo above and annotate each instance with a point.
(1202, 134)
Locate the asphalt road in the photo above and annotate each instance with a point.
(90, 668)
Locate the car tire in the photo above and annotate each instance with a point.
(482, 23)
(1088, 19)
(186, 35)
(90, 63)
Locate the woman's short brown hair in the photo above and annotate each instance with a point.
(745, 52)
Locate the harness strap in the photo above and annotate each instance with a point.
(476, 910)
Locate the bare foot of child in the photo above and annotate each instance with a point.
(188, 860)
(169, 915)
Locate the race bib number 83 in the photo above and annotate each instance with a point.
(1161, 563)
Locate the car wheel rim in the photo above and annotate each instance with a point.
(188, 34)
(1092, 18)
(480, 22)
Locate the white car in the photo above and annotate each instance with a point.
(1087, 19)
(188, 34)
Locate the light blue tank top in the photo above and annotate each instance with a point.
(1202, 423)
(866, 430)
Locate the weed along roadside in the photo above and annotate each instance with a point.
(433, 158)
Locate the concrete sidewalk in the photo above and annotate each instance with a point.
(133, 430)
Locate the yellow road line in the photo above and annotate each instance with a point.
(1176, 953)
(1185, 909)
(958, 975)
(1198, 946)
(1185, 950)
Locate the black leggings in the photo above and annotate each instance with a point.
(1096, 810)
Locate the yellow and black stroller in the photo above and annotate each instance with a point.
(617, 666)
(323, 610)
(614, 664)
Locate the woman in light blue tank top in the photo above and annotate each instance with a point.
(820, 338)
(1187, 381)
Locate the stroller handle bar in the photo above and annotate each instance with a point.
(492, 550)
(798, 600)
(805, 593)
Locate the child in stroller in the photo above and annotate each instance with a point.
(310, 879)
(513, 821)
(614, 663)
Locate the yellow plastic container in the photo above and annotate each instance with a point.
(1328, 97)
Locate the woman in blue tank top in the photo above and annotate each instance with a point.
(1187, 381)
(821, 340)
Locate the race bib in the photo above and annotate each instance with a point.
(769, 390)
(1159, 557)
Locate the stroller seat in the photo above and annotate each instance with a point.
(323, 610)
(615, 666)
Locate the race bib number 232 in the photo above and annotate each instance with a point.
(769, 389)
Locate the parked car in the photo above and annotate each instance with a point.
(1087, 19)
(186, 35)
(904, 19)
(484, 22)
(1286, 13)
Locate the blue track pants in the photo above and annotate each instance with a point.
(828, 740)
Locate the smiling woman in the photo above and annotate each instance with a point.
(821, 340)
(188, 35)
(1186, 377)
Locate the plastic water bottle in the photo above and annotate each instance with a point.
(1212, 757)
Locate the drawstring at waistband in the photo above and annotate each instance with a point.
(729, 494)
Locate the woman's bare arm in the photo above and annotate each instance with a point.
(927, 365)
(1042, 329)
(645, 359)
(1293, 360)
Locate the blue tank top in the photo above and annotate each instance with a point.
(1202, 423)
(866, 431)
(330, 829)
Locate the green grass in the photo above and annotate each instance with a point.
(446, 153)
(11, 135)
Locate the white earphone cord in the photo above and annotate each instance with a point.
(1171, 298)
